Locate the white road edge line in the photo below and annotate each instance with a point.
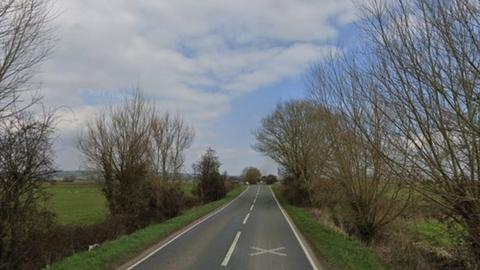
(246, 218)
(231, 249)
(187, 230)
(309, 257)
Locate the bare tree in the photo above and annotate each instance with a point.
(26, 161)
(290, 136)
(25, 140)
(118, 144)
(359, 136)
(25, 41)
(171, 137)
(427, 70)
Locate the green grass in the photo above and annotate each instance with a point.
(336, 249)
(77, 203)
(187, 187)
(84, 203)
(114, 253)
(436, 233)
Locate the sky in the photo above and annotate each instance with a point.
(222, 64)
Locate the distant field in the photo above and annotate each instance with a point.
(83, 203)
(77, 203)
(187, 187)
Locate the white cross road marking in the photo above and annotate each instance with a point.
(273, 251)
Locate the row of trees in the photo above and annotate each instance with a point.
(252, 175)
(402, 113)
(134, 148)
(139, 153)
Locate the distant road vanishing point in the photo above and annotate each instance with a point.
(252, 232)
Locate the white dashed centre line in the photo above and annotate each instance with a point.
(251, 207)
(246, 218)
(231, 249)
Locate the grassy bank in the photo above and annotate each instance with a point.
(338, 250)
(114, 253)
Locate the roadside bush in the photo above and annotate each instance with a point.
(326, 194)
(58, 241)
(211, 189)
(18, 248)
(400, 252)
(270, 179)
(296, 192)
(191, 201)
(229, 184)
(25, 160)
(211, 184)
(403, 248)
(166, 200)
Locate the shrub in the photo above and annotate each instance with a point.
(58, 241)
(269, 179)
(211, 184)
(166, 200)
(296, 192)
(229, 184)
(191, 201)
(326, 193)
(25, 160)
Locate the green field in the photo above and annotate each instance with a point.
(187, 187)
(83, 203)
(113, 253)
(77, 203)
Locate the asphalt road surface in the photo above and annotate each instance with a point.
(249, 233)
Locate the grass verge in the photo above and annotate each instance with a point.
(338, 250)
(116, 252)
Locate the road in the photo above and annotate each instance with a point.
(249, 233)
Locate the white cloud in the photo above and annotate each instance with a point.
(191, 56)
